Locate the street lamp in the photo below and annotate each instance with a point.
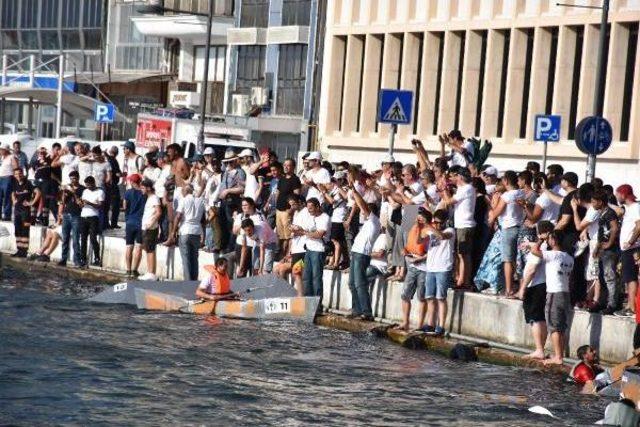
(156, 7)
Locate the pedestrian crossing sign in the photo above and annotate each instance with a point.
(395, 106)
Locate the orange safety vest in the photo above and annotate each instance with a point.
(415, 244)
(219, 284)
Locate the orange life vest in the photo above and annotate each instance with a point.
(415, 243)
(219, 284)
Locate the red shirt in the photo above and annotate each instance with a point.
(583, 373)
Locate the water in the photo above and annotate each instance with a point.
(65, 361)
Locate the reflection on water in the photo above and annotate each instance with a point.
(65, 361)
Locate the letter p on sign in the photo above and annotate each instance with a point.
(547, 128)
(104, 113)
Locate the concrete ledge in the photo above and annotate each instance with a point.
(494, 319)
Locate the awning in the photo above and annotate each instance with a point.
(103, 78)
(74, 104)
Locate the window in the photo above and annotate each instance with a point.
(92, 14)
(29, 40)
(92, 39)
(551, 77)
(10, 39)
(436, 110)
(527, 83)
(503, 81)
(29, 14)
(250, 68)
(10, 10)
(575, 83)
(70, 39)
(217, 61)
(254, 13)
(296, 12)
(483, 62)
(49, 14)
(628, 81)
(70, 13)
(134, 51)
(292, 71)
(456, 117)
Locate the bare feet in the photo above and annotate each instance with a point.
(553, 361)
(536, 355)
(403, 327)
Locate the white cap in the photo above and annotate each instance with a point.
(5, 146)
(388, 159)
(339, 174)
(246, 153)
(208, 151)
(314, 155)
(491, 171)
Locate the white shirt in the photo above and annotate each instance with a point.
(6, 166)
(465, 206)
(161, 181)
(592, 216)
(631, 216)
(85, 169)
(257, 219)
(92, 196)
(339, 206)
(539, 276)
(99, 172)
(491, 188)
(211, 190)
(440, 252)
(557, 268)
(421, 198)
(380, 245)
(192, 209)
(513, 214)
(458, 159)
(363, 243)
(559, 190)
(550, 210)
(297, 242)
(149, 211)
(132, 164)
(320, 176)
(69, 164)
(152, 174)
(251, 184)
(314, 223)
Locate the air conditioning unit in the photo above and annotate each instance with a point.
(259, 96)
(240, 104)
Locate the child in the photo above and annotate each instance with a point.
(218, 285)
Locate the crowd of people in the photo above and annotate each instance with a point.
(539, 236)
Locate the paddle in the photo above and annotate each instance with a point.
(542, 411)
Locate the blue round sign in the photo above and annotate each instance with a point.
(593, 135)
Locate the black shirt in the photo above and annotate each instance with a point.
(566, 209)
(42, 167)
(71, 206)
(24, 193)
(604, 226)
(286, 187)
(116, 174)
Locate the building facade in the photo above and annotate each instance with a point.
(486, 67)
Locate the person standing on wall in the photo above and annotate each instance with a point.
(150, 219)
(24, 197)
(134, 203)
(8, 163)
(91, 202)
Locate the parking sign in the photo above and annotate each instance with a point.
(105, 113)
(547, 128)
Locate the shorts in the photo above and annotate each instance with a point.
(534, 302)
(283, 224)
(247, 263)
(509, 246)
(437, 284)
(464, 240)
(592, 270)
(133, 234)
(269, 255)
(58, 231)
(556, 311)
(149, 240)
(337, 231)
(296, 257)
(414, 280)
(629, 266)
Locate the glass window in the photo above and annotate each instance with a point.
(296, 12)
(254, 13)
(217, 57)
(70, 13)
(29, 14)
(292, 71)
(92, 39)
(92, 14)
(133, 50)
(10, 13)
(9, 39)
(30, 40)
(49, 14)
(50, 40)
(71, 39)
(250, 68)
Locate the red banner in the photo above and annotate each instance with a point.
(152, 132)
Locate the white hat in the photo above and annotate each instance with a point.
(246, 153)
(229, 155)
(339, 174)
(5, 146)
(208, 151)
(491, 171)
(314, 155)
(388, 159)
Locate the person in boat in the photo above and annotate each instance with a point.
(584, 372)
(218, 285)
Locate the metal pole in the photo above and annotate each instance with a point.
(30, 116)
(392, 137)
(59, 106)
(5, 65)
(544, 156)
(32, 70)
(599, 94)
(203, 100)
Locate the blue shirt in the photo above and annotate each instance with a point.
(135, 207)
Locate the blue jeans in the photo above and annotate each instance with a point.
(312, 275)
(359, 285)
(71, 229)
(189, 245)
(5, 196)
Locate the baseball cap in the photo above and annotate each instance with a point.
(315, 155)
(491, 171)
(571, 178)
(135, 177)
(388, 159)
(626, 192)
(129, 145)
(208, 151)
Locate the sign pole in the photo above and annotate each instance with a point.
(392, 137)
(544, 156)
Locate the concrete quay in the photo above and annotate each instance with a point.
(476, 316)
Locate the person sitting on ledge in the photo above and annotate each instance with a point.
(584, 372)
(218, 285)
(49, 245)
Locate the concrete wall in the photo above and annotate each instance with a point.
(494, 319)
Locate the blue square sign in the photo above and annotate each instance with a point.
(105, 113)
(395, 106)
(547, 128)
